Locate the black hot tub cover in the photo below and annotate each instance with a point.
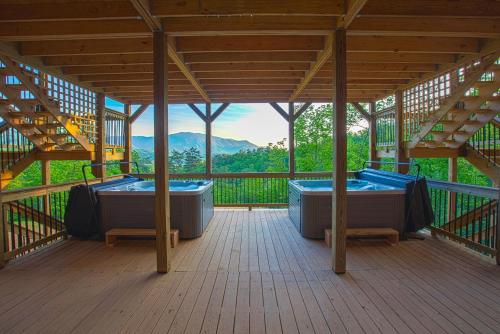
(80, 216)
(418, 209)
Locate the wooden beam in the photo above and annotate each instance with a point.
(142, 7)
(280, 110)
(339, 198)
(366, 115)
(2, 236)
(162, 200)
(302, 109)
(291, 139)
(321, 59)
(75, 29)
(425, 26)
(208, 139)
(127, 154)
(179, 61)
(100, 147)
(219, 111)
(399, 138)
(372, 123)
(353, 9)
(138, 113)
(198, 112)
(245, 7)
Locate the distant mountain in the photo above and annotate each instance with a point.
(184, 140)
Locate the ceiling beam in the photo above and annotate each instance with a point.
(366, 115)
(138, 113)
(142, 7)
(354, 7)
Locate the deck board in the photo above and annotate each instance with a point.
(251, 272)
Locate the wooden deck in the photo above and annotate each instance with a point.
(251, 272)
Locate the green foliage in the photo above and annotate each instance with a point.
(313, 142)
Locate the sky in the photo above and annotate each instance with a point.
(258, 123)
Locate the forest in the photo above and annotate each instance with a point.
(313, 153)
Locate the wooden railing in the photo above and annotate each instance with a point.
(13, 147)
(249, 189)
(115, 128)
(386, 127)
(486, 142)
(34, 217)
(467, 214)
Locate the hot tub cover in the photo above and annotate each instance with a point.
(80, 216)
(418, 209)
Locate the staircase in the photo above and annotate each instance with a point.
(40, 113)
(468, 117)
(29, 108)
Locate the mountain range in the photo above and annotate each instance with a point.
(185, 140)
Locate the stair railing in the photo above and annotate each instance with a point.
(13, 147)
(486, 143)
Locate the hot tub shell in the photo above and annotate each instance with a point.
(190, 210)
(311, 210)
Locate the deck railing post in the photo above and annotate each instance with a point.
(100, 146)
(339, 196)
(162, 203)
(127, 132)
(208, 139)
(452, 196)
(46, 182)
(399, 142)
(291, 139)
(373, 135)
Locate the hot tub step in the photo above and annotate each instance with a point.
(112, 234)
(372, 232)
(391, 234)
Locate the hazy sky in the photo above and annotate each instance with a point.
(258, 123)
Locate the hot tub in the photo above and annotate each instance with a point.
(132, 205)
(369, 204)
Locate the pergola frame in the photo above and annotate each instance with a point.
(160, 52)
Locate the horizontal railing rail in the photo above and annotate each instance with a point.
(467, 214)
(34, 217)
(250, 189)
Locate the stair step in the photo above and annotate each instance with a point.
(439, 136)
(70, 146)
(47, 146)
(451, 143)
(462, 135)
(432, 143)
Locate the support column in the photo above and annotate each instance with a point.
(372, 151)
(291, 139)
(452, 197)
(127, 154)
(400, 145)
(46, 182)
(339, 198)
(208, 139)
(100, 146)
(2, 234)
(162, 203)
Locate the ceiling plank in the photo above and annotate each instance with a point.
(142, 7)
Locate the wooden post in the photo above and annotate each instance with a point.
(127, 154)
(372, 151)
(291, 139)
(162, 203)
(452, 197)
(339, 198)
(208, 139)
(498, 237)
(46, 182)
(100, 147)
(2, 234)
(400, 144)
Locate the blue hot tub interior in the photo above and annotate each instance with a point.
(173, 186)
(352, 184)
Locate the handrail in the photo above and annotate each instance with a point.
(244, 175)
(115, 113)
(18, 194)
(468, 189)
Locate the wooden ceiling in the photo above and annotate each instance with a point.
(248, 50)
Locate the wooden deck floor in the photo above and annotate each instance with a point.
(251, 272)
